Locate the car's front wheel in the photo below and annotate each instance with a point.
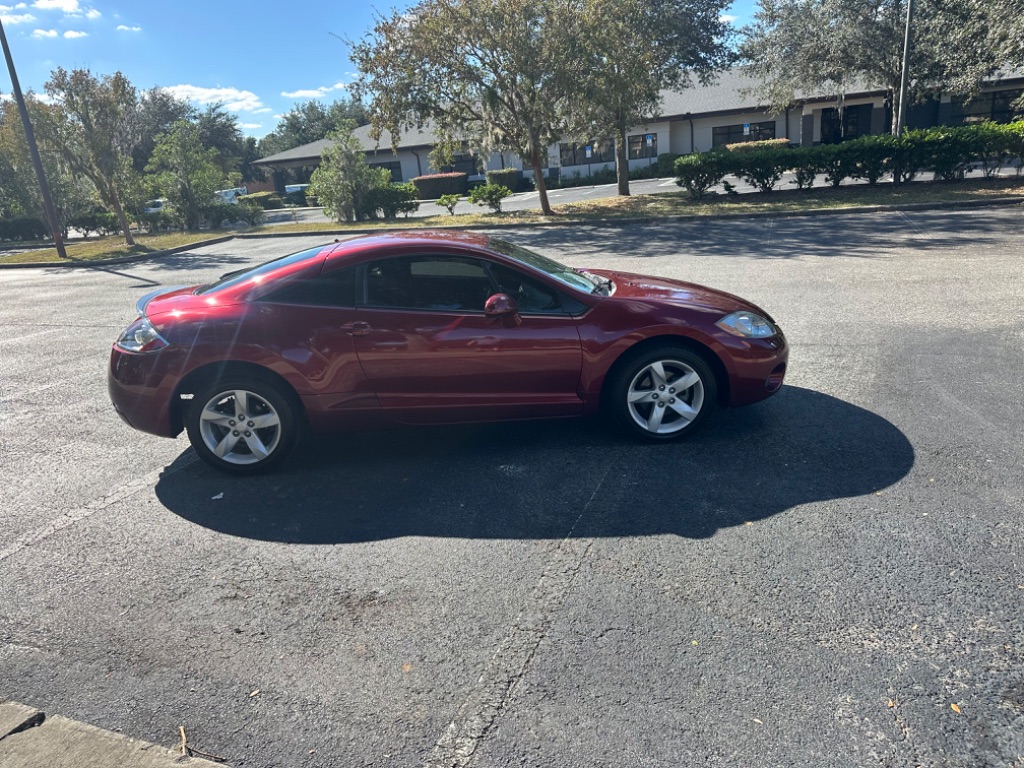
(662, 393)
(242, 427)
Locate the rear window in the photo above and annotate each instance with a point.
(238, 277)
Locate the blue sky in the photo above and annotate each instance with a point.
(259, 58)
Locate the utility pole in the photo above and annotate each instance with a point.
(901, 116)
(44, 188)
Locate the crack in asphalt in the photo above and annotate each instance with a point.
(489, 697)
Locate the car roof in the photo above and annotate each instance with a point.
(446, 239)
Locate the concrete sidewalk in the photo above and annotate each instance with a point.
(31, 739)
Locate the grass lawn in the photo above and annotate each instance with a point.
(646, 206)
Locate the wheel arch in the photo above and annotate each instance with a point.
(211, 372)
(707, 354)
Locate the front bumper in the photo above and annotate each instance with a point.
(757, 368)
(142, 392)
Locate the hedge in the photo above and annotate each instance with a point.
(23, 228)
(754, 146)
(268, 201)
(506, 177)
(100, 222)
(949, 151)
(434, 185)
(391, 200)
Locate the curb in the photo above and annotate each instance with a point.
(998, 202)
(31, 739)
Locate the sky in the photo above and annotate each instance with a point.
(257, 57)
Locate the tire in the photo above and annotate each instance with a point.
(662, 393)
(212, 418)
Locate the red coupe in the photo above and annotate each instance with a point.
(432, 327)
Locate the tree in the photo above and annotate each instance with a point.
(94, 127)
(19, 187)
(158, 111)
(344, 179)
(186, 172)
(835, 45)
(311, 121)
(497, 74)
(636, 48)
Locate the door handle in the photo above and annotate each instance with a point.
(357, 328)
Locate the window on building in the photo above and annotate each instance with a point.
(997, 107)
(394, 166)
(856, 121)
(465, 162)
(642, 145)
(601, 151)
(733, 134)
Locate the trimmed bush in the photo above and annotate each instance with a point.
(268, 201)
(506, 177)
(391, 200)
(806, 166)
(761, 168)
(221, 215)
(700, 172)
(23, 228)
(431, 187)
(490, 195)
(869, 157)
(99, 221)
(449, 202)
(159, 221)
(836, 162)
(757, 146)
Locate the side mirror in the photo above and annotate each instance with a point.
(501, 305)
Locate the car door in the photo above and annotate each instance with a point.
(433, 356)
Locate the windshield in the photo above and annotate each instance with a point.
(241, 275)
(571, 277)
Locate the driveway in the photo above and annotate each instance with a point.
(832, 577)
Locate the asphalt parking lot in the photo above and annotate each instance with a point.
(834, 577)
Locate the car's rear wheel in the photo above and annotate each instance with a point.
(663, 393)
(242, 426)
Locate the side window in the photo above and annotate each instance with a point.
(532, 296)
(440, 283)
(332, 289)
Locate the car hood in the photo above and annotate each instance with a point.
(177, 299)
(664, 290)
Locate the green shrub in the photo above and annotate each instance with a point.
(506, 177)
(449, 202)
(757, 146)
(763, 167)
(159, 221)
(268, 201)
(806, 166)
(99, 221)
(870, 157)
(226, 214)
(700, 172)
(490, 195)
(296, 198)
(433, 186)
(837, 162)
(391, 200)
(23, 228)
(1014, 133)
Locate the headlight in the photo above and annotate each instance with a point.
(748, 325)
(141, 336)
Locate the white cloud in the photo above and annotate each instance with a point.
(727, 18)
(6, 97)
(234, 99)
(250, 126)
(262, 111)
(44, 33)
(279, 117)
(92, 13)
(71, 34)
(313, 93)
(16, 18)
(123, 28)
(17, 7)
(68, 6)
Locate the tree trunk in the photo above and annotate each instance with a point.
(622, 162)
(538, 180)
(122, 219)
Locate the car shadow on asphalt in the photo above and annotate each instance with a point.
(551, 479)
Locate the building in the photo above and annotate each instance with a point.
(694, 119)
